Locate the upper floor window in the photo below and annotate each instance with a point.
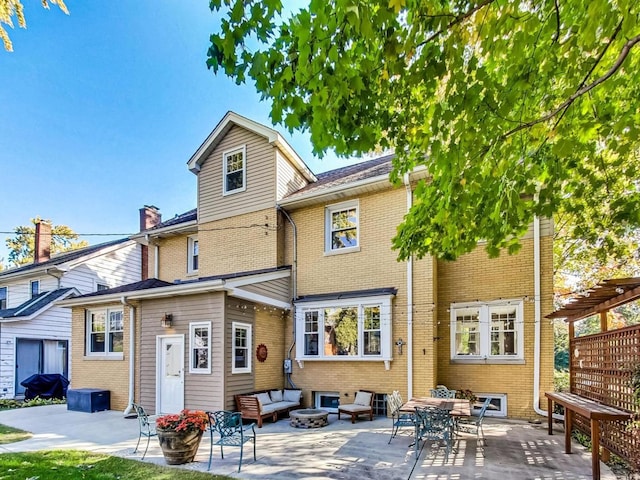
(35, 288)
(192, 260)
(3, 298)
(101, 286)
(359, 328)
(489, 331)
(105, 329)
(234, 170)
(341, 227)
(241, 348)
(200, 347)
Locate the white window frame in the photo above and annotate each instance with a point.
(235, 326)
(329, 211)
(491, 411)
(31, 284)
(193, 346)
(107, 332)
(6, 296)
(225, 156)
(382, 301)
(484, 331)
(191, 253)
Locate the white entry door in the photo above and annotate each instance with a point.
(170, 375)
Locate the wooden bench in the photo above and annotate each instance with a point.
(594, 411)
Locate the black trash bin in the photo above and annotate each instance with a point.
(45, 385)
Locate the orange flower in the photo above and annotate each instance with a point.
(185, 421)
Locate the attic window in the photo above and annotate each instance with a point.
(234, 170)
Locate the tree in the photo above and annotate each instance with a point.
(14, 8)
(21, 246)
(514, 108)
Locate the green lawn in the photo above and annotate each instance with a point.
(11, 435)
(74, 464)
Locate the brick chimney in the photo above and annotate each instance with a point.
(42, 246)
(149, 217)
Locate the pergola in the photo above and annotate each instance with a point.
(601, 365)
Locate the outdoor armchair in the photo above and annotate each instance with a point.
(231, 432)
(362, 405)
(147, 427)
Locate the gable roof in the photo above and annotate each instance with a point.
(63, 259)
(36, 305)
(272, 136)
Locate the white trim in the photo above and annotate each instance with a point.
(192, 240)
(329, 210)
(484, 310)
(157, 232)
(6, 297)
(225, 155)
(272, 136)
(257, 298)
(107, 332)
(248, 327)
(386, 351)
(192, 346)
(502, 397)
(258, 278)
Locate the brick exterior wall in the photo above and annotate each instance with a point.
(270, 331)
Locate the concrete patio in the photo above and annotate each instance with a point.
(514, 450)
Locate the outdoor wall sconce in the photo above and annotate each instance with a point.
(167, 320)
(400, 343)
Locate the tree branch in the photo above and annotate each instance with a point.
(459, 19)
(587, 88)
(557, 35)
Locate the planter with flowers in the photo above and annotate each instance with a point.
(180, 435)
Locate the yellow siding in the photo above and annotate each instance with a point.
(100, 372)
(269, 330)
(172, 252)
(226, 247)
(476, 277)
(260, 167)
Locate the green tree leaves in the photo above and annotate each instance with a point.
(515, 109)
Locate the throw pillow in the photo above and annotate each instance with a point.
(264, 398)
(363, 398)
(292, 395)
(276, 395)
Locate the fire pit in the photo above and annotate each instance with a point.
(309, 418)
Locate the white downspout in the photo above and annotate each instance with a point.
(132, 356)
(156, 262)
(407, 183)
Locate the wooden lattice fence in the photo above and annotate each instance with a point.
(601, 370)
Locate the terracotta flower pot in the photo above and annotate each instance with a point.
(179, 447)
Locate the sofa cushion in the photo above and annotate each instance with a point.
(363, 398)
(264, 398)
(276, 395)
(292, 395)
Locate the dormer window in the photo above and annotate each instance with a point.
(234, 171)
(35, 288)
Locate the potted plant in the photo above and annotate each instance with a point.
(180, 434)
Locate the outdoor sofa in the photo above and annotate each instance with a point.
(262, 404)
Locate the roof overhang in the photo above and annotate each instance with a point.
(232, 286)
(180, 228)
(272, 136)
(46, 307)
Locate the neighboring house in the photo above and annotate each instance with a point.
(34, 332)
(277, 257)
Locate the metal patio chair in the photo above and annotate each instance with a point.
(433, 424)
(147, 427)
(232, 433)
(475, 421)
(399, 419)
(443, 392)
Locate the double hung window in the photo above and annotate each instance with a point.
(342, 227)
(200, 347)
(487, 331)
(3, 298)
(105, 329)
(192, 255)
(241, 347)
(234, 171)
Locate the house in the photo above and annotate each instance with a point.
(34, 332)
(282, 277)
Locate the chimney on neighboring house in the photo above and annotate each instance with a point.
(149, 217)
(42, 245)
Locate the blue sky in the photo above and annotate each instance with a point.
(102, 109)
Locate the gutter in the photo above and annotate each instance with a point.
(294, 286)
(132, 348)
(407, 183)
(317, 195)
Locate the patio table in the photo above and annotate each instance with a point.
(457, 407)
